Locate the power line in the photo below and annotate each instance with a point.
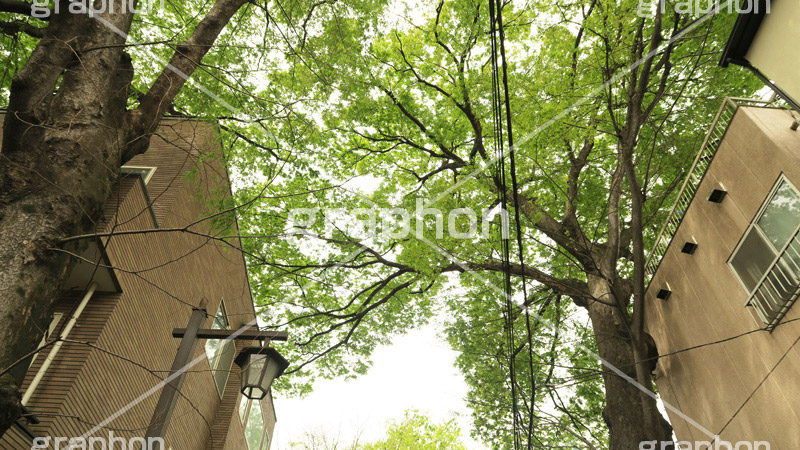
(744, 403)
(517, 221)
(506, 251)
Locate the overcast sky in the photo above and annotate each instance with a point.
(416, 372)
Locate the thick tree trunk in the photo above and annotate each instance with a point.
(631, 417)
(60, 154)
(31, 273)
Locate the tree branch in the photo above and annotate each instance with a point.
(185, 60)
(570, 287)
(16, 26)
(18, 7)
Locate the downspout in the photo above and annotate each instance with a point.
(786, 97)
(57, 346)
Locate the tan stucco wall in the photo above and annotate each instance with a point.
(711, 383)
(774, 50)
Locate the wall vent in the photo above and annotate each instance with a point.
(717, 195)
(689, 248)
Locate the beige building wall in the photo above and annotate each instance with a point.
(758, 374)
(774, 50)
(162, 274)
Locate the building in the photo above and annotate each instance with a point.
(726, 272)
(764, 41)
(129, 290)
(726, 265)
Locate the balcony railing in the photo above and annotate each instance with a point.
(778, 289)
(696, 173)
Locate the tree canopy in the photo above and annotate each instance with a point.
(409, 125)
(415, 431)
(345, 124)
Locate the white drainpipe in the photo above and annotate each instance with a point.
(57, 346)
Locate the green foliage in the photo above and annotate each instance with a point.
(394, 112)
(400, 110)
(416, 431)
(354, 106)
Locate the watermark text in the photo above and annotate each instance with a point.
(648, 8)
(716, 444)
(109, 442)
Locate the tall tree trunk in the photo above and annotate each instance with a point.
(60, 154)
(629, 420)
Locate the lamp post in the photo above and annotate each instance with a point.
(260, 367)
(265, 364)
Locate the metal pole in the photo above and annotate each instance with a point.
(169, 394)
(57, 346)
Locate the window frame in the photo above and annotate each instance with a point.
(146, 172)
(264, 441)
(754, 225)
(215, 362)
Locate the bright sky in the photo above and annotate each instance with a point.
(416, 372)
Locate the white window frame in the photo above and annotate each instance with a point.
(215, 362)
(265, 437)
(753, 224)
(146, 172)
(779, 251)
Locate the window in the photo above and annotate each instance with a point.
(220, 353)
(767, 259)
(146, 172)
(255, 431)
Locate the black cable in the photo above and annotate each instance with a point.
(506, 251)
(517, 222)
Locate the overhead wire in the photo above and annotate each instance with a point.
(506, 253)
(517, 221)
(500, 101)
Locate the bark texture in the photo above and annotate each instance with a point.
(631, 417)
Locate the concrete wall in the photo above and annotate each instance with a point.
(758, 372)
(774, 50)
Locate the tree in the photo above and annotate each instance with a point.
(613, 108)
(416, 431)
(77, 110)
(322, 441)
(67, 131)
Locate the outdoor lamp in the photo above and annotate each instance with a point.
(260, 367)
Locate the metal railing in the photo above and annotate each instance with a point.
(696, 173)
(779, 287)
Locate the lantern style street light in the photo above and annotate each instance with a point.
(260, 367)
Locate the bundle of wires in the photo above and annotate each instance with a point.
(501, 102)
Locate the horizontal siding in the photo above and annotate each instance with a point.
(162, 275)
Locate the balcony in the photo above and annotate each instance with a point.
(711, 143)
(779, 288)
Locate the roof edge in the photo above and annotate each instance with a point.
(743, 33)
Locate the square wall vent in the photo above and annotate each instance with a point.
(663, 294)
(717, 195)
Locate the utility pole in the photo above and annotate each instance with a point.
(189, 336)
(177, 375)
